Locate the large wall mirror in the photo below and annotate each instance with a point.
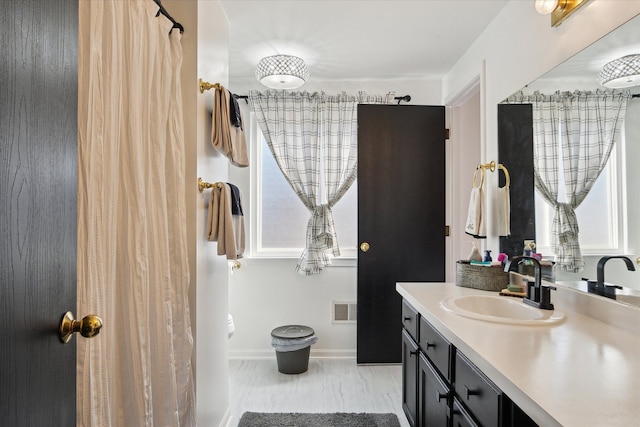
(608, 217)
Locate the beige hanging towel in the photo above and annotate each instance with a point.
(475, 225)
(226, 137)
(223, 225)
(504, 206)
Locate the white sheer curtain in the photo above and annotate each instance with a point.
(314, 140)
(132, 251)
(587, 125)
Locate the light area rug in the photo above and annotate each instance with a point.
(337, 419)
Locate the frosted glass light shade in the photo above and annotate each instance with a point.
(545, 7)
(282, 72)
(620, 73)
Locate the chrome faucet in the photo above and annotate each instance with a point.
(600, 287)
(538, 295)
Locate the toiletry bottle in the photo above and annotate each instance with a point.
(475, 254)
(487, 256)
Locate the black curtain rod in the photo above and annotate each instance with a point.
(636, 95)
(405, 98)
(163, 11)
(245, 97)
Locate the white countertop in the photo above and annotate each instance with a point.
(581, 372)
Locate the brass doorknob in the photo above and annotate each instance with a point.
(364, 246)
(88, 327)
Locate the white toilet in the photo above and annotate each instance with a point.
(230, 326)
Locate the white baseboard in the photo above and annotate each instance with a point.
(315, 354)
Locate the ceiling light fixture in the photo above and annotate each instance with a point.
(559, 9)
(620, 73)
(282, 72)
(545, 7)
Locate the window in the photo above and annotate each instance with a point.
(601, 216)
(281, 218)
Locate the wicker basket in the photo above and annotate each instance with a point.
(480, 277)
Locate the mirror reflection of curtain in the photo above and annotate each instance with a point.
(586, 126)
(133, 262)
(314, 140)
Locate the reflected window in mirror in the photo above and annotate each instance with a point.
(601, 215)
(579, 144)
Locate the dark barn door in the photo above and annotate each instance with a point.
(401, 217)
(38, 186)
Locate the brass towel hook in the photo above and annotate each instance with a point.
(203, 185)
(491, 166)
(204, 86)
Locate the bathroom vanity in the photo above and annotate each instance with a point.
(580, 368)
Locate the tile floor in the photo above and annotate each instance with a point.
(330, 385)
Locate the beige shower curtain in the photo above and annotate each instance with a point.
(132, 253)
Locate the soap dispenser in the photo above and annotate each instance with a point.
(487, 256)
(475, 254)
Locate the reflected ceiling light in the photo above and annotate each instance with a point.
(620, 73)
(559, 9)
(282, 72)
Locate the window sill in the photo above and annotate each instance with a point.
(343, 261)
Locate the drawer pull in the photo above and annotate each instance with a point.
(407, 318)
(430, 344)
(441, 396)
(472, 392)
(413, 353)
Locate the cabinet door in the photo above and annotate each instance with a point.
(401, 216)
(433, 397)
(409, 378)
(460, 417)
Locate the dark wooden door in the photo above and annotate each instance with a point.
(401, 216)
(38, 185)
(515, 152)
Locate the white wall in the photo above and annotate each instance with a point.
(463, 152)
(211, 296)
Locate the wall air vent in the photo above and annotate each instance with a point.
(344, 312)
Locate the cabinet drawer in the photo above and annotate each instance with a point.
(477, 392)
(436, 347)
(410, 319)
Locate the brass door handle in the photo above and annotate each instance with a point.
(364, 246)
(88, 327)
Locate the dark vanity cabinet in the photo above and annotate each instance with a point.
(442, 387)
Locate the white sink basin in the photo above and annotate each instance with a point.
(501, 309)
